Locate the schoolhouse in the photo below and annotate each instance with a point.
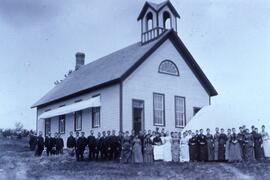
(153, 83)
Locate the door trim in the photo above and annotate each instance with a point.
(142, 123)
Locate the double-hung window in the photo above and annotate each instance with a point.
(179, 111)
(62, 124)
(78, 121)
(159, 109)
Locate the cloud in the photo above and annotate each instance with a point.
(21, 13)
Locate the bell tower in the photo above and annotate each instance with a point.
(156, 19)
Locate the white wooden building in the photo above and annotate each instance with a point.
(152, 83)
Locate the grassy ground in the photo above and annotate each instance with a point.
(17, 162)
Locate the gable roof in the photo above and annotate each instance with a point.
(115, 67)
(157, 8)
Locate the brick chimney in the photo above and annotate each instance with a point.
(79, 60)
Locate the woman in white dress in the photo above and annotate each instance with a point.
(158, 147)
(167, 154)
(184, 148)
(266, 143)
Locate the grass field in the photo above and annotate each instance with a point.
(17, 162)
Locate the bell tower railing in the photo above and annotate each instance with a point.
(151, 34)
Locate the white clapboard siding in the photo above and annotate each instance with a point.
(145, 80)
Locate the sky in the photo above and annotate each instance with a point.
(229, 39)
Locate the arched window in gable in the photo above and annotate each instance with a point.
(149, 21)
(167, 21)
(168, 67)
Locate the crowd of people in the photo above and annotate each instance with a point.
(148, 146)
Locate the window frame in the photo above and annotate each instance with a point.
(61, 117)
(184, 113)
(50, 125)
(75, 119)
(163, 72)
(163, 104)
(92, 114)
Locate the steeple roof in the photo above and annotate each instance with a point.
(157, 8)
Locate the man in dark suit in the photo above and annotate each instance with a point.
(108, 146)
(114, 145)
(102, 144)
(49, 144)
(32, 140)
(59, 144)
(92, 145)
(81, 143)
(71, 143)
(119, 145)
(40, 145)
(76, 146)
(98, 147)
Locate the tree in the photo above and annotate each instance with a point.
(18, 126)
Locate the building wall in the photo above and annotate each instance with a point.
(145, 80)
(109, 113)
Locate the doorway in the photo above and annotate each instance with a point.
(138, 115)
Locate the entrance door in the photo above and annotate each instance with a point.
(138, 115)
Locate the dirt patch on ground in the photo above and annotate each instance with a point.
(17, 162)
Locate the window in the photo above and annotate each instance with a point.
(168, 67)
(47, 126)
(78, 121)
(62, 124)
(149, 21)
(180, 113)
(167, 22)
(196, 110)
(159, 109)
(96, 117)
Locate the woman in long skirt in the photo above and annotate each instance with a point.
(126, 149)
(137, 150)
(240, 138)
(148, 156)
(158, 148)
(266, 143)
(175, 147)
(193, 148)
(248, 147)
(210, 145)
(222, 145)
(184, 148)
(235, 153)
(258, 145)
(203, 148)
(216, 139)
(167, 155)
(227, 152)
